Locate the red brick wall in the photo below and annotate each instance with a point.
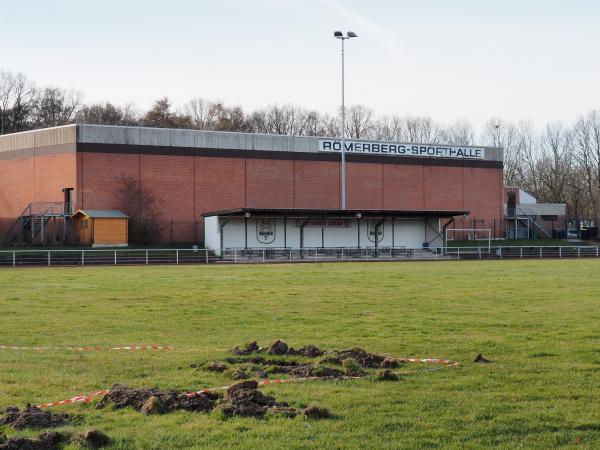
(269, 183)
(33, 179)
(403, 187)
(317, 184)
(187, 186)
(364, 185)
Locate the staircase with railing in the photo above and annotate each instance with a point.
(32, 225)
(524, 223)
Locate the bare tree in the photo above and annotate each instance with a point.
(204, 114)
(460, 133)
(17, 102)
(162, 116)
(107, 114)
(139, 203)
(359, 122)
(56, 106)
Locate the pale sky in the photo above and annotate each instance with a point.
(459, 59)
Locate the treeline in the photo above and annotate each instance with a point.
(559, 164)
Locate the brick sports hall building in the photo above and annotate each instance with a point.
(192, 173)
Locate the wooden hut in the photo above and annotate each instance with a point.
(101, 228)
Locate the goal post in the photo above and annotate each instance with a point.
(470, 234)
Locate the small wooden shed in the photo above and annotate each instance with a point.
(101, 228)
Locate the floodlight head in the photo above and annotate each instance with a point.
(338, 34)
(352, 34)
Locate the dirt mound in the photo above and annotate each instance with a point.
(310, 351)
(315, 370)
(480, 359)
(387, 375)
(314, 412)
(260, 360)
(95, 439)
(165, 400)
(90, 439)
(278, 348)
(214, 366)
(246, 349)
(361, 356)
(245, 400)
(32, 417)
(389, 363)
(48, 440)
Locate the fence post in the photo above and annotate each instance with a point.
(14, 259)
(560, 252)
(115, 257)
(263, 256)
(596, 252)
(342, 254)
(177, 256)
(235, 256)
(521, 251)
(290, 254)
(82, 257)
(579, 252)
(458, 253)
(479, 251)
(48, 258)
(500, 248)
(541, 252)
(146, 257)
(206, 251)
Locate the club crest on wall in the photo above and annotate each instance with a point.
(265, 231)
(371, 225)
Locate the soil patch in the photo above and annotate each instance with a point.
(310, 351)
(33, 417)
(361, 356)
(48, 440)
(314, 412)
(315, 370)
(164, 400)
(481, 360)
(245, 400)
(246, 349)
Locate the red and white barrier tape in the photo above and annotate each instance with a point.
(442, 364)
(91, 348)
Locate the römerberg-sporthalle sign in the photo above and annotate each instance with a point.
(402, 149)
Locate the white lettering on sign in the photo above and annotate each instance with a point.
(402, 149)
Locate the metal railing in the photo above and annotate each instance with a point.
(115, 257)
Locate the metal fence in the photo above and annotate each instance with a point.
(112, 257)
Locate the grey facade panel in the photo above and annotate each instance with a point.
(38, 138)
(163, 137)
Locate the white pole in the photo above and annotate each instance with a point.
(343, 131)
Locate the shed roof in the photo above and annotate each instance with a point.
(346, 213)
(101, 214)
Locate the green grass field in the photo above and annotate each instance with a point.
(539, 321)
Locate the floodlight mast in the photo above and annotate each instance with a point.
(340, 35)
